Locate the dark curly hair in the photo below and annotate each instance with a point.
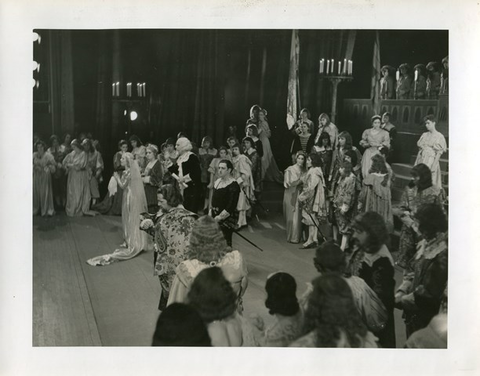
(171, 193)
(352, 155)
(431, 220)
(424, 174)
(374, 225)
(316, 160)
(134, 137)
(180, 325)
(331, 311)
(212, 295)
(347, 166)
(324, 136)
(329, 258)
(281, 294)
(378, 165)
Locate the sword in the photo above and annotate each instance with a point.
(317, 226)
(247, 240)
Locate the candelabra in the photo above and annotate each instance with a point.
(335, 76)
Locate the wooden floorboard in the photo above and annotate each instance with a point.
(76, 304)
(62, 313)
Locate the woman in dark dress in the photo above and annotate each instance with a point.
(372, 261)
(224, 200)
(187, 172)
(152, 178)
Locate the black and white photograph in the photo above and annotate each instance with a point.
(256, 185)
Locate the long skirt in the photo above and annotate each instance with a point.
(293, 215)
(42, 193)
(78, 193)
(367, 160)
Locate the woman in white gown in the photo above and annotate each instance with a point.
(134, 203)
(270, 171)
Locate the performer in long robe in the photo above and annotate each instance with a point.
(95, 167)
(313, 199)
(78, 188)
(43, 168)
(376, 194)
(432, 145)
(243, 174)
(371, 140)
(291, 209)
(59, 180)
(325, 125)
(188, 174)
(133, 205)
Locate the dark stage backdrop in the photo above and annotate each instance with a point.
(202, 81)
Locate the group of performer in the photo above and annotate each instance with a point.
(330, 181)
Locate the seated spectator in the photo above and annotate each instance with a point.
(180, 325)
(216, 302)
(331, 319)
(422, 290)
(373, 262)
(208, 248)
(282, 303)
(329, 258)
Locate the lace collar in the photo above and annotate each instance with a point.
(184, 157)
(220, 183)
(370, 258)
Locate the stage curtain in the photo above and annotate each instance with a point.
(61, 79)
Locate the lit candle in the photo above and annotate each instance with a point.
(328, 66)
(416, 74)
(113, 90)
(344, 66)
(398, 75)
(331, 67)
(339, 67)
(138, 89)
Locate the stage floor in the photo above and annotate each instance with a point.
(75, 304)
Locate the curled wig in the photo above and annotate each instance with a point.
(348, 140)
(378, 165)
(212, 295)
(281, 294)
(353, 157)
(171, 193)
(375, 227)
(180, 325)
(424, 174)
(316, 160)
(431, 220)
(331, 311)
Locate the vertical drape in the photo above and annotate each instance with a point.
(61, 79)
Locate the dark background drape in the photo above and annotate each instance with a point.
(202, 81)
